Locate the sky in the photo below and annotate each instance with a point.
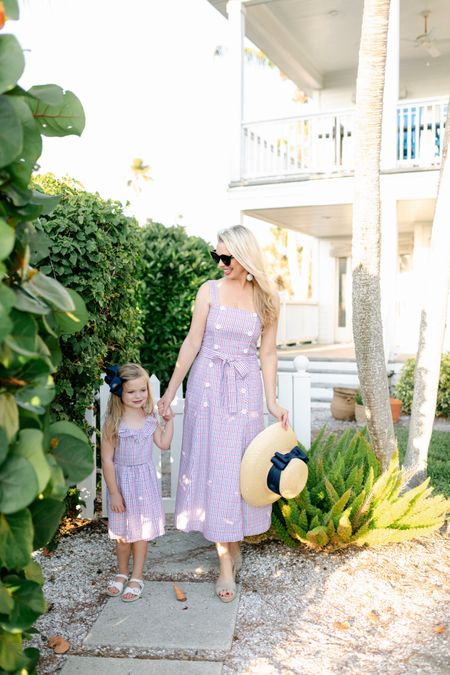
(152, 86)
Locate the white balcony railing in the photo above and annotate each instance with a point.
(323, 142)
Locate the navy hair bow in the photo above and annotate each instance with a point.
(280, 462)
(114, 380)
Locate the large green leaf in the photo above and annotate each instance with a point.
(59, 120)
(11, 9)
(12, 62)
(18, 484)
(6, 303)
(7, 238)
(9, 415)
(29, 603)
(47, 202)
(11, 657)
(6, 601)
(69, 429)
(16, 539)
(36, 396)
(56, 487)
(74, 456)
(11, 133)
(40, 245)
(51, 291)
(3, 445)
(33, 572)
(24, 163)
(51, 94)
(25, 302)
(29, 445)
(71, 322)
(22, 339)
(46, 515)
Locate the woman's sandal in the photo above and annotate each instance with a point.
(135, 592)
(118, 585)
(228, 587)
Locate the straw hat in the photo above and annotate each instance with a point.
(273, 466)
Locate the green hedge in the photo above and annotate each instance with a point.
(405, 387)
(174, 266)
(93, 246)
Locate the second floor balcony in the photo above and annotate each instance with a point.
(322, 143)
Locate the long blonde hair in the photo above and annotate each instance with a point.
(243, 245)
(115, 409)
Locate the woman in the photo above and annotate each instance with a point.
(224, 399)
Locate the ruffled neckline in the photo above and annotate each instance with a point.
(130, 431)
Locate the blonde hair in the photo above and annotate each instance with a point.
(243, 245)
(115, 409)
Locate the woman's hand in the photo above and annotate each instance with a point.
(281, 414)
(164, 402)
(117, 504)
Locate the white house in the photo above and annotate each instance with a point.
(297, 173)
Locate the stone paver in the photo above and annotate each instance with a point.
(179, 554)
(160, 624)
(85, 665)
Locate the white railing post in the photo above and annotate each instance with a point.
(88, 486)
(103, 403)
(301, 401)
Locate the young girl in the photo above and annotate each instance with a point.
(135, 510)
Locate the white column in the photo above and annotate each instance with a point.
(391, 90)
(236, 24)
(388, 272)
(326, 292)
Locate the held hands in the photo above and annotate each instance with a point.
(164, 409)
(117, 504)
(281, 414)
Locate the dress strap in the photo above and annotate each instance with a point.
(213, 292)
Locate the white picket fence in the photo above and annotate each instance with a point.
(293, 393)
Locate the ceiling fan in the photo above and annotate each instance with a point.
(425, 39)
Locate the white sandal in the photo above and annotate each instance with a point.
(136, 592)
(116, 584)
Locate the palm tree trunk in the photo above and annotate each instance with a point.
(367, 324)
(432, 326)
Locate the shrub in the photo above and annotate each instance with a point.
(404, 389)
(93, 246)
(38, 459)
(348, 501)
(174, 267)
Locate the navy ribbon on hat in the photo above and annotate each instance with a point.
(114, 380)
(280, 462)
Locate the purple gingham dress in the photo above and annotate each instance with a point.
(223, 413)
(143, 518)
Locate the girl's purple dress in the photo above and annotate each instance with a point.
(223, 413)
(143, 518)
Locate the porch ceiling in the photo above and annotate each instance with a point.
(335, 220)
(310, 40)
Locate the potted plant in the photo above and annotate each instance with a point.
(395, 403)
(343, 403)
(360, 412)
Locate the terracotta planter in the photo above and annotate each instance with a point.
(343, 403)
(360, 413)
(396, 409)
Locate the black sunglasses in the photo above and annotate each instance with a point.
(226, 259)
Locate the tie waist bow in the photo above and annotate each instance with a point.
(232, 366)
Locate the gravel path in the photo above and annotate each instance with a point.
(379, 610)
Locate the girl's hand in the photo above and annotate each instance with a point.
(164, 405)
(281, 414)
(117, 504)
(168, 416)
